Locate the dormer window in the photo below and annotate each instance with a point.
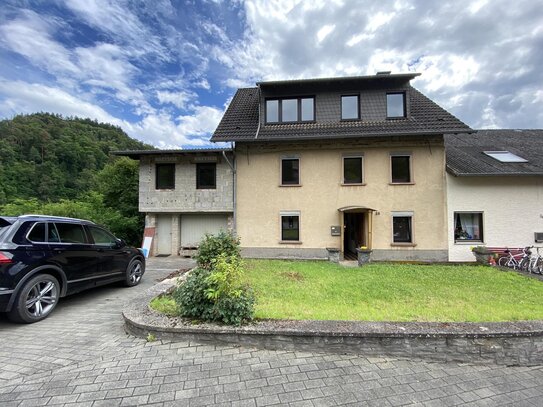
(505, 156)
(350, 107)
(396, 105)
(290, 110)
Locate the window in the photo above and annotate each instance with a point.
(402, 228)
(505, 157)
(165, 176)
(290, 227)
(37, 234)
(400, 168)
(350, 109)
(70, 233)
(352, 170)
(272, 111)
(206, 176)
(290, 110)
(101, 237)
(308, 109)
(290, 171)
(395, 105)
(468, 226)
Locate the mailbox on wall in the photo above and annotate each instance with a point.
(335, 230)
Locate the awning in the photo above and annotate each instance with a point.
(355, 209)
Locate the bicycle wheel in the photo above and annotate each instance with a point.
(502, 261)
(524, 263)
(538, 268)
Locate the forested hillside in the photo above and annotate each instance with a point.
(61, 166)
(47, 157)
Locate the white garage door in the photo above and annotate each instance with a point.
(194, 227)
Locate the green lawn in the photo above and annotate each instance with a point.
(392, 292)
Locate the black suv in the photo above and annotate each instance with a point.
(43, 258)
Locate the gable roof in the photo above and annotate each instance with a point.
(241, 120)
(466, 157)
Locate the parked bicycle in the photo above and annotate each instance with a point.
(536, 262)
(519, 261)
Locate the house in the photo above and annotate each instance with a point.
(494, 190)
(184, 194)
(338, 163)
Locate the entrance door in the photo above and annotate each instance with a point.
(164, 234)
(354, 234)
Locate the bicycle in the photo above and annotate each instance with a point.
(518, 261)
(536, 263)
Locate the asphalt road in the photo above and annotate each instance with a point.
(81, 356)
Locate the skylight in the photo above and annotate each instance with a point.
(505, 157)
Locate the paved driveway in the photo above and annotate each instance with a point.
(81, 356)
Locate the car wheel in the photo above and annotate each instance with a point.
(36, 300)
(134, 272)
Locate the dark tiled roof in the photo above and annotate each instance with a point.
(136, 154)
(465, 152)
(378, 77)
(240, 122)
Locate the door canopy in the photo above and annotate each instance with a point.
(356, 209)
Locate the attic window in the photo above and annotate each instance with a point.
(505, 157)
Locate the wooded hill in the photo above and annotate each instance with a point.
(49, 157)
(61, 166)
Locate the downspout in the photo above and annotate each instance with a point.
(259, 107)
(232, 166)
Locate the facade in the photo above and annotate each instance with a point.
(184, 194)
(494, 190)
(338, 164)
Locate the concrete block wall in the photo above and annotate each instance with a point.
(184, 197)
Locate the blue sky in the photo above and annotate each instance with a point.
(165, 71)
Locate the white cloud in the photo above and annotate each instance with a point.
(30, 36)
(325, 32)
(22, 97)
(179, 99)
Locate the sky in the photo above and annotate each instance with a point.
(164, 71)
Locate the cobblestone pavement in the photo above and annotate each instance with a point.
(81, 356)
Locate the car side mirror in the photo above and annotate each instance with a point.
(119, 243)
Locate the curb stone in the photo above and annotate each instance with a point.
(517, 343)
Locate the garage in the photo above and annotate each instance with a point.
(195, 226)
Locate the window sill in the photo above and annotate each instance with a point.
(397, 118)
(351, 120)
(165, 189)
(401, 183)
(206, 189)
(353, 184)
(468, 242)
(289, 242)
(403, 244)
(290, 185)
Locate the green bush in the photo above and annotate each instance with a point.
(212, 246)
(217, 293)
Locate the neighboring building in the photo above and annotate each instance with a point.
(184, 194)
(340, 163)
(494, 190)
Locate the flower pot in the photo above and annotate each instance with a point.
(364, 256)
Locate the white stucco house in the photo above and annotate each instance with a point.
(494, 190)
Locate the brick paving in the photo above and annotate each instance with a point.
(80, 356)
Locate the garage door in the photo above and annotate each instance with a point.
(194, 227)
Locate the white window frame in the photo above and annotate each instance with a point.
(290, 213)
(403, 214)
(481, 228)
(411, 175)
(290, 157)
(352, 155)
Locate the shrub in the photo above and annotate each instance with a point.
(212, 246)
(217, 295)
